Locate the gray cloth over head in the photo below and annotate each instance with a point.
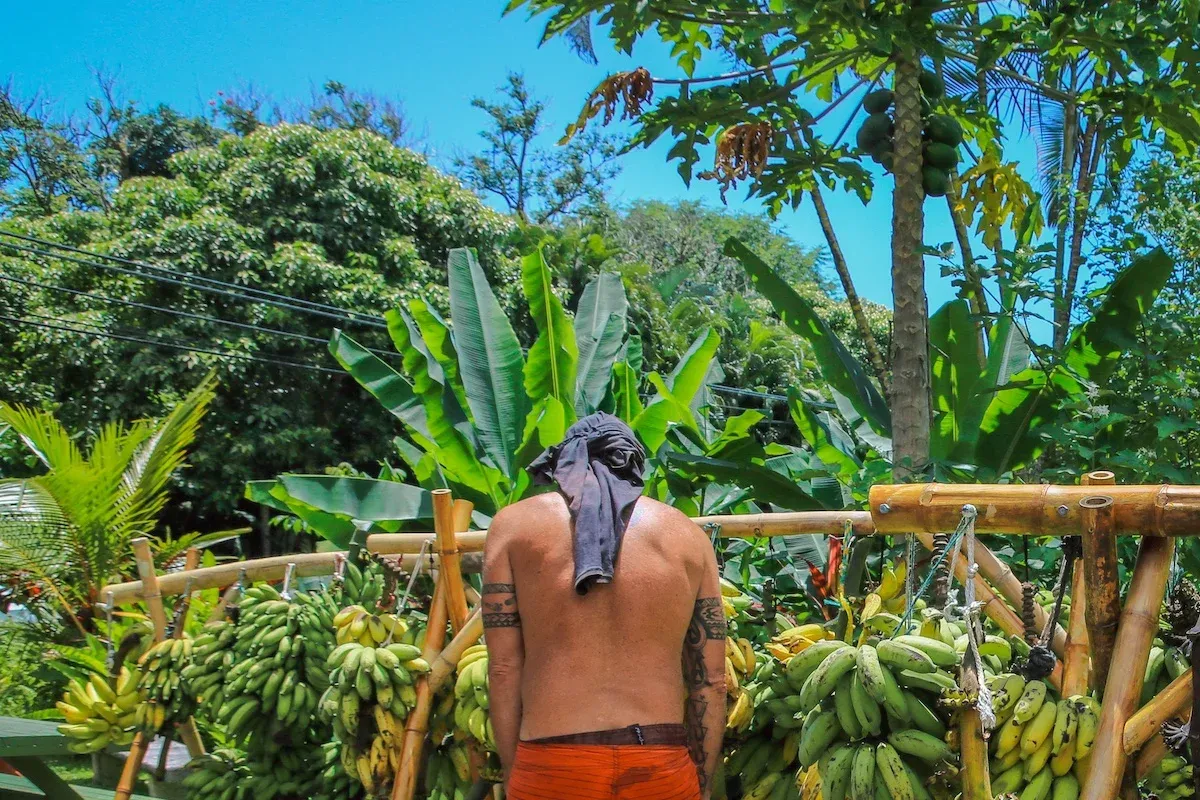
(598, 467)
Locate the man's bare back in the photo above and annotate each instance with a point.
(616, 656)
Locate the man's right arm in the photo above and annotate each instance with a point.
(506, 648)
(704, 677)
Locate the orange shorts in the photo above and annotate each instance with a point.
(603, 772)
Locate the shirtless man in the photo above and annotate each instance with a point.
(605, 676)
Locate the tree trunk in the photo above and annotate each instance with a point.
(843, 270)
(1082, 207)
(974, 282)
(909, 394)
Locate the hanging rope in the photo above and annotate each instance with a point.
(972, 609)
(952, 544)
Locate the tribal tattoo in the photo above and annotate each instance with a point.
(707, 624)
(500, 606)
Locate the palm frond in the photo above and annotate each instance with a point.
(44, 435)
(163, 452)
(167, 552)
(1050, 164)
(37, 544)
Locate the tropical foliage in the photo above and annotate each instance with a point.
(66, 532)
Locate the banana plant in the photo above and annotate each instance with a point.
(987, 406)
(475, 410)
(66, 532)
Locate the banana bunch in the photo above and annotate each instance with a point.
(1040, 749)
(282, 772)
(788, 643)
(1170, 779)
(764, 766)
(355, 624)
(97, 714)
(867, 716)
(471, 696)
(336, 783)
(265, 673)
(733, 600)
(369, 696)
(362, 586)
(448, 773)
(891, 587)
(160, 684)
(219, 775)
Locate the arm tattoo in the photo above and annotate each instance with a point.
(708, 624)
(500, 606)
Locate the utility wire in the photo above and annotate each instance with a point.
(178, 313)
(264, 293)
(188, 285)
(162, 343)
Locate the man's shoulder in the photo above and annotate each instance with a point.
(541, 509)
(661, 516)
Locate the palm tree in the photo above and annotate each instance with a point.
(66, 532)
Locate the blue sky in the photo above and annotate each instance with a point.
(432, 57)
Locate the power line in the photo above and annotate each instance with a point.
(162, 343)
(185, 284)
(177, 312)
(347, 314)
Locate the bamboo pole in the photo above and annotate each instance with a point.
(450, 568)
(1123, 687)
(388, 544)
(188, 733)
(1153, 752)
(158, 618)
(1034, 510)
(442, 668)
(417, 725)
(993, 606)
(745, 526)
(259, 569)
(1102, 588)
(976, 779)
(1173, 702)
(1077, 658)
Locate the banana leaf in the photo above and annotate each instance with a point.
(765, 484)
(600, 326)
(435, 333)
(334, 529)
(550, 365)
(663, 411)
(627, 404)
(490, 361)
(694, 367)
(828, 440)
(384, 383)
(545, 426)
(838, 367)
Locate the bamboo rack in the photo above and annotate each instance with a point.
(1077, 658)
(1173, 702)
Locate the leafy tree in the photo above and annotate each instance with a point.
(66, 531)
(538, 184)
(340, 218)
(334, 107)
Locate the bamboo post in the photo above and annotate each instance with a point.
(1102, 588)
(1123, 686)
(1153, 752)
(993, 606)
(158, 617)
(1173, 702)
(1077, 658)
(417, 725)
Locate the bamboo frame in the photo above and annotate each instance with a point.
(1102, 586)
(188, 733)
(1173, 702)
(993, 606)
(442, 668)
(976, 778)
(1034, 510)
(1123, 687)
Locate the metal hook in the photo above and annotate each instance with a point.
(286, 594)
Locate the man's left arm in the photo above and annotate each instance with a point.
(704, 676)
(506, 648)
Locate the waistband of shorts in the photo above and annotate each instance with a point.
(668, 734)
